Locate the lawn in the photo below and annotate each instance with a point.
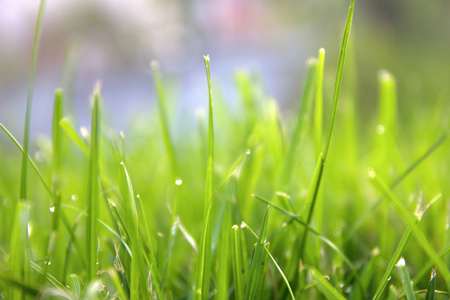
(239, 203)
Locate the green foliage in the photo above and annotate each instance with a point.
(150, 215)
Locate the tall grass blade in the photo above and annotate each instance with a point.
(203, 270)
(93, 188)
(339, 73)
(318, 113)
(131, 214)
(26, 138)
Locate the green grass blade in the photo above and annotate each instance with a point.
(203, 271)
(286, 281)
(327, 241)
(255, 268)
(210, 161)
(238, 269)
(132, 225)
(93, 188)
(26, 139)
(406, 280)
(324, 286)
(318, 113)
(162, 104)
(73, 135)
(311, 198)
(18, 259)
(431, 287)
(147, 242)
(339, 73)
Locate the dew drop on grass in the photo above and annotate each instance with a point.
(248, 151)
(341, 285)
(30, 229)
(348, 290)
(74, 197)
(389, 278)
(52, 209)
(39, 156)
(371, 172)
(381, 129)
(178, 181)
(48, 263)
(84, 132)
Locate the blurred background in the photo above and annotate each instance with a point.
(114, 41)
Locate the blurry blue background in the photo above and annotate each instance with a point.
(114, 41)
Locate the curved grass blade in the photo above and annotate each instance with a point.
(255, 268)
(93, 188)
(323, 285)
(286, 281)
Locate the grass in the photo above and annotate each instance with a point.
(161, 212)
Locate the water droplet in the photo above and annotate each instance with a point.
(381, 129)
(178, 181)
(30, 229)
(74, 197)
(371, 172)
(48, 263)
(248, 151)
(348, 290)
(401, 262)
(39, 156)
(84, 132)
(389, 278)
(121, 163)
(52, 209)
(341, 285)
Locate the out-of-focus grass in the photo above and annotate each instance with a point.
(155, 212)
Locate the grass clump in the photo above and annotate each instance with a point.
(160, 215)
